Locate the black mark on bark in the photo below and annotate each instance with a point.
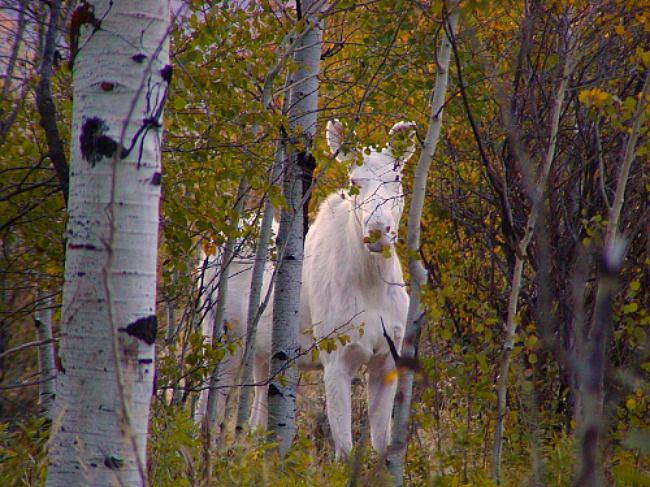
(114, 463)
(143, 329)
(95, 144)
(166, 73)
(138, 58)
(281, 356)
(82, 246)
(307, 162)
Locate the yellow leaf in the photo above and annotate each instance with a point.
(594, 97)
(630, 404)
(390, 376)
(620, 30)
(385, 252)
(583, 96)
(344, 339)
(644, 57)
(52, 269)
(209, 248)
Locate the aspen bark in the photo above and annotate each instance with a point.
(402, 409)
(302, 115)
(47, 386)
(121, 76)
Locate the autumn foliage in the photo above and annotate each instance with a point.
(378, 65)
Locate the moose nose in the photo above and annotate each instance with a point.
(377, 232)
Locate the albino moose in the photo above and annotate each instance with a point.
(353, 284)
(240, 272)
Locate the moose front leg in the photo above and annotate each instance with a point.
(380, 401)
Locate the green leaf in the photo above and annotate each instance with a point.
(630, 308)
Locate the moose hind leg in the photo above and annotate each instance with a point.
(259, 413)
(339, 407)
(380, 401)
(226, 390)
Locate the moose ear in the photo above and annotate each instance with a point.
(402, 143)
(334, 137)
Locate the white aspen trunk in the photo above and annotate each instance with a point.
(47, 386)
(302, 115)
(121, 77)
(396, 455)
(286, 303)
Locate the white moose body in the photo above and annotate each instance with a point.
(353, 285)
(235, 316)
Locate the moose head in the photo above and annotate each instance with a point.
(376, 182)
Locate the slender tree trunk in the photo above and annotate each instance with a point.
(286, 302)
(302, 115)
(171, 313)
(218, 324)
(402, 409)
(192, 323)
(4, 298)
(213, 399)
(7, 119)
(536, 196)
(121, 77)
(590, 368)
(255, 304)
(47, 387)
